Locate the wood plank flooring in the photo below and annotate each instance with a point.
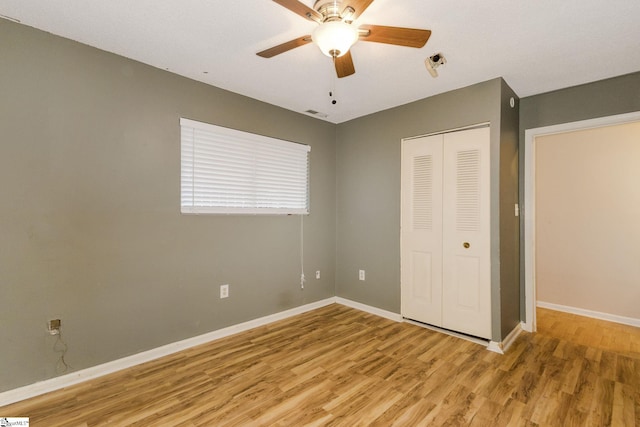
(337, 366)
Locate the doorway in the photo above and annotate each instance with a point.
(532, 138)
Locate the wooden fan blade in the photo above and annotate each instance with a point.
(358, 7)
(300, 9)
(281, 48)
(410, 37)
(344, 65)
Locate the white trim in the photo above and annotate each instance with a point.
(491, 345)
(511, 337)
(502, 347)
(455, 334)
(590, 313)
(529, 231)
(42, 387)
(32, 390)
(495, 347)
(369, 309)
(529, 198)
(442, 132)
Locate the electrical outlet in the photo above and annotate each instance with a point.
(318, 274)
(53, 326)
(361, 275)
(224, 291)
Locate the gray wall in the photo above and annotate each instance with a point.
(604, 98)
(368, 194)
(90, 223)
(509, 223)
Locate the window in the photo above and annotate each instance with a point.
(233, 172)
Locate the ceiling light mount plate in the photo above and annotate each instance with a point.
(433, 62)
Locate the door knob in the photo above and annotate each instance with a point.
(466, 245)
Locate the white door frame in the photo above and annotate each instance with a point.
(530, 136)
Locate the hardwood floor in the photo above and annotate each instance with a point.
(337, 366)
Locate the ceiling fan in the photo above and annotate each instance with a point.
(336, 33)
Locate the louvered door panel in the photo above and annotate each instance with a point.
(422, 193)
(421, 245)
(467, 190)
(466, 234)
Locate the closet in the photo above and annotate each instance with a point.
(445, 231)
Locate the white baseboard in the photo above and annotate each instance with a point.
(495, 347)
(369, 309)
(590, 313)
(502, 347)
(67, 380)
(511, 337)
(475, 340)
(73, 378)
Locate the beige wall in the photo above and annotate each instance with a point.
(588, 219)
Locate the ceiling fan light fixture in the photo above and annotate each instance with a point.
(335, 38)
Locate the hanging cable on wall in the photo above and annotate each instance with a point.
(59, 346)
(302, 279)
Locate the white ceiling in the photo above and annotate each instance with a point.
(536, 45)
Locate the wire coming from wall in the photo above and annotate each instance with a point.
(302, 279)
(59, 346)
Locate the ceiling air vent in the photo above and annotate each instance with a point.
(316, 113)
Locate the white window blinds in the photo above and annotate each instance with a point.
(229, 171)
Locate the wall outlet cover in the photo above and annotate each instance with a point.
(224, 291)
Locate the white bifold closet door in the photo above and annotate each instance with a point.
(445, 248)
